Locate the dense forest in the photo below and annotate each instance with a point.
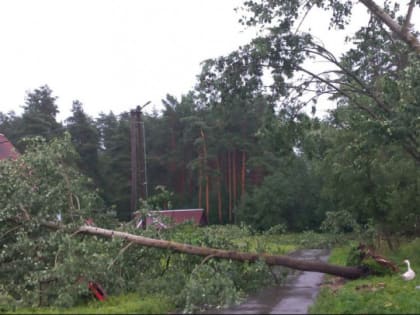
(242, 143)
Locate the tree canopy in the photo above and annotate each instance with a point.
(244, 144)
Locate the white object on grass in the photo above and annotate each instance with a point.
(409, 274)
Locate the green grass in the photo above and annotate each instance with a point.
(374, 295)
(126, 304)
(283, 243)
(271, 244)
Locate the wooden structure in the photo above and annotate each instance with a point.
(138, 153)
(197, 216)
(7, 150)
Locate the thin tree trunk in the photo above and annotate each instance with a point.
(200, 188)
(207, 198)
(229, 166)
(243, 173)
(234, 175)
(299, 264)
(183, 171)
(206, 172)
(219, 191)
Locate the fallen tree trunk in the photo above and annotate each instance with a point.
(299, 264)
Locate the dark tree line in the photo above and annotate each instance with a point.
(241, 147)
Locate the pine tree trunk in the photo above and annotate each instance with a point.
(219, 191)
(207, 199)
(206, 172)
(200, 177)
(299, 264)
(243, 173)
(229, 167)
(234, 175)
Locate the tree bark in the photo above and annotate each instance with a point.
(401, 32)
(206, 172)
(219, 190)
(200, 188)
(229, 167)
(243, 173)
(299, 264)
(234, 175)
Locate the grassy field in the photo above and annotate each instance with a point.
(373, 295)
(127, 304)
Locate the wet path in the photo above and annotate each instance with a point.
(293, 297)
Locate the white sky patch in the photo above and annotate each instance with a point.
(110, 55)
(115, 55)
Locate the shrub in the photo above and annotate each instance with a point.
(207, 288)
(276, 229)
(339, 222)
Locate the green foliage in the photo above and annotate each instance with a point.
(85, 138)
(114, 162)
(375, 268)
(311, 239)
(339, 222)
(207, 288)
(357, 170)
(354, 257)
(276, 229)
(162, 199)
(39, 116)
(238, 277)
(42, 186)
(289, 197)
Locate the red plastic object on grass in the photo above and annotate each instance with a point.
(97, 290)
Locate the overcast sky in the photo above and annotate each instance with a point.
(109, 54)
(116, 54)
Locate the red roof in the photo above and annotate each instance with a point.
(7, 150)
(180, 216)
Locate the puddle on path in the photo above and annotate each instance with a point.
(293, 297)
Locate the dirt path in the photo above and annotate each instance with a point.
(293, 297)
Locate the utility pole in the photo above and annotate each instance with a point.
(138, 158)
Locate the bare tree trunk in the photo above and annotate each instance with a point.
(219, 190)
(234, 175)
(229, 167)
(299, 264)
(207, 198)
(207, 175)
(243, 173)
(200, 188)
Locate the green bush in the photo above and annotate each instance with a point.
(280, 228)
(339, 222)
(207, 288)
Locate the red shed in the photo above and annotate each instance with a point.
(197, 216)
(7, 150)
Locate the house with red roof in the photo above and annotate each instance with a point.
(7, 150)
(161, 218)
